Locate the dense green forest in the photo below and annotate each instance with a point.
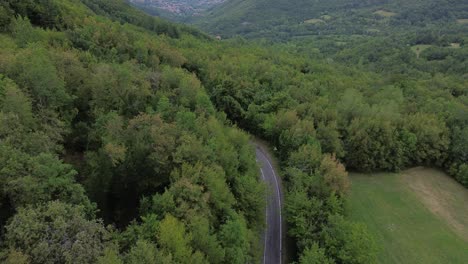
(111, 152)
(122, 135)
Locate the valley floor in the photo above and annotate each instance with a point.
(417, 216)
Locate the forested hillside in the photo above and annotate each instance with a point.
(283, 19)
(110, 151)
(121, 140)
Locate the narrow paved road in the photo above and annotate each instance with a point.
(272, 252)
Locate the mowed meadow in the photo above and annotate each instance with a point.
(416, 216)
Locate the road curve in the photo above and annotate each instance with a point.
(273, 236)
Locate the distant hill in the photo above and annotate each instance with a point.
(286, 18)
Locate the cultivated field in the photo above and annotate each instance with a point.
(418, 216)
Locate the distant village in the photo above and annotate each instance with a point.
(179, 7)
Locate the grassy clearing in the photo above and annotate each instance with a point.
(413, 215)
(455, 45)
(419, 48)
(314, 21)
(385, 13)
(341, 43)
(372, 30)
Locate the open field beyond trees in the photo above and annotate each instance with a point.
(417, 216)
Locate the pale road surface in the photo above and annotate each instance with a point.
(273, 237)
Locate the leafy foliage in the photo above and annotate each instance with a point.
(94, 106)
(56, 232)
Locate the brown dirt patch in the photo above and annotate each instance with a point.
(442, 195)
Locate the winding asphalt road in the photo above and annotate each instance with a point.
(273, 238)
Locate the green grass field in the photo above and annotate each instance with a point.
(385, 13)
(418, 216)
(314, 21)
